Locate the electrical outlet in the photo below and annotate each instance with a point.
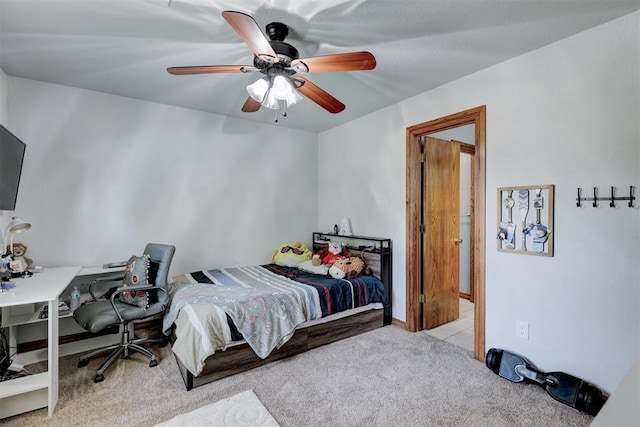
(522, 330)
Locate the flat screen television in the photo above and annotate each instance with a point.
(11, 157)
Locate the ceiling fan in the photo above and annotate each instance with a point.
(280, 64)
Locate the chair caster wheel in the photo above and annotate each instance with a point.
(98, 378)
(83, 363)
(153, 363)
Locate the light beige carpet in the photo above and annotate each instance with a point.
(243, 409)
(386, 377)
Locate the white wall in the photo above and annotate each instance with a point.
(104, 175)
(5, 216)
(3, 97)
(566, 114)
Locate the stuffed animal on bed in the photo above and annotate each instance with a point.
(291, 254)
(332, 252)
(348, 267)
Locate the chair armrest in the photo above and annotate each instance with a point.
(134, 288)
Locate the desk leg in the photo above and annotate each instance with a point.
(53, 355)
(13, 340)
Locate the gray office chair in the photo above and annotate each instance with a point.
(121, 310)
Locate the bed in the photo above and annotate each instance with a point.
(218, 319)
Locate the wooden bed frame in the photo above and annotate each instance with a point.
(241, 357)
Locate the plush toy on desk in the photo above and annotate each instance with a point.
(19, 252)
(291, 254)
(348, 267)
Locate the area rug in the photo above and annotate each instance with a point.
(243, 409)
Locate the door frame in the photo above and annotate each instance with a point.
(476, 116)
(470, 150)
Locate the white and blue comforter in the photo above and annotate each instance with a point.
(265, 303)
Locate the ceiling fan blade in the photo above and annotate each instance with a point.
(355, 61)
(251, 105)
(318, 95)
(248, 30)
(211, 69)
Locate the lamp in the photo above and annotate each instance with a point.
(16, 225)
(272, 89)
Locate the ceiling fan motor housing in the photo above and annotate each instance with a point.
(277, 32)
(286, 53)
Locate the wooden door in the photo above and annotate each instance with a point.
(441, 219)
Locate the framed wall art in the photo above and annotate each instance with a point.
(525, 219)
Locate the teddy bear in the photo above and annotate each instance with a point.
(349, 267)
(332, 252)
(19, 252)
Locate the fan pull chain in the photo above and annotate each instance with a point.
(284, 114)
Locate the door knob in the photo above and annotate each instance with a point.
(457, 241)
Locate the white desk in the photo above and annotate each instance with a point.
(14, 317)
(39, 390)
(99, 271)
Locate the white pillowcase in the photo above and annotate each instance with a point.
(316, 269)
(290, 261)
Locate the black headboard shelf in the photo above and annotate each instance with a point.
(376, 252)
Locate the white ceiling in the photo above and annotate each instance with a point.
(123, 47)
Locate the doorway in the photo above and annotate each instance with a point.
(415, 272)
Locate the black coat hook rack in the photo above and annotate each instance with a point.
(612, 199)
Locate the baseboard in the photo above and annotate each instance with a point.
(398, 323)
(25, 347)
(146, 328)
(74, 347)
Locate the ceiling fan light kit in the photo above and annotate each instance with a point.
(269, 90)
(279, 62)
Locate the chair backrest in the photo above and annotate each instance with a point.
(162, 254)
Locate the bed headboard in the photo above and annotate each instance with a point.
(376, 253)
(371, 259)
